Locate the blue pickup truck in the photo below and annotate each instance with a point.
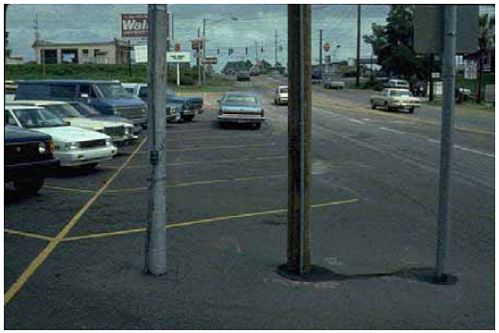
(108, 97)
(28, 159)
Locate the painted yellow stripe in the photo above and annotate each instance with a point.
(27, 234)
(201, 182)
(67, 189)
(40, 259)
(207, 220)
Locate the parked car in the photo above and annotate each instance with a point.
(281, 95)
(28, 158)
(241, 107)
(92, 113)
(397, 84)
(395, 99)
(73, 146)
(121, 133)
(329, 83)
(254, 71)
(109, 97)
(243, 76)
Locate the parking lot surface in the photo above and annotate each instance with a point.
(74, 254)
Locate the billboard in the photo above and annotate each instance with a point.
(134, 25)
(178, 57)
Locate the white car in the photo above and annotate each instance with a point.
(136, 89)
(281, 95)
(395, 99)
(74, 146)
(120, 132)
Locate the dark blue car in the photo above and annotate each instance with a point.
(28, 159)
(108, 97)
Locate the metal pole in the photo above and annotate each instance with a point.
(129, 59)
(198, 55)
(448, 78)
(204, 48)
(256, 53)
(173, 30)
(432, 60)
(299, 138)
(155, 259)
(320, 51)
(178, 74)
(357, 74)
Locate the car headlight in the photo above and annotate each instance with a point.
(42, 147)
(128, 130)
(109, 142)
(71, 145)
(115, 111)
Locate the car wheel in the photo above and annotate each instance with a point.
(188, 118)
(89, 166)
(28, 187)
(387, 108)
(222, 125)
(373, 105)
(257, 126)
(411, 110)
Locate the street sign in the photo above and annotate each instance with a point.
(197, 44)
(326, 47)
(140, 52)
(209, 60)
(435, 75)
(178, 57)
(428, 26)
(135, 25)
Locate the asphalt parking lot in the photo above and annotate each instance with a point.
(74, 253)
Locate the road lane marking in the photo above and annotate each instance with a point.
(42, 256)
(67, 189)
(474, 151)
(202, 182)
(392, 130)
(207, 220)
(356, 121)
(27, 234)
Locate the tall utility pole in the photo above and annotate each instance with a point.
(320, 51)
(275, 64)
(357, 71)
(198, 55)
(432, 60)
(447, 132)
(155, 252)
(299, 139)
(256, 52)
(204, 47)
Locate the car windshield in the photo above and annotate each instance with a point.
(401, 93)
(112, 90)
(63, 110)
(283, 90)
(36, 118)
(240, 99)
(85, 110)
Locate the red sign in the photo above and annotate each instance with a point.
(326, 47)
(177, 47)
(134, 25)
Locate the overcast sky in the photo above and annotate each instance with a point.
(236, 26)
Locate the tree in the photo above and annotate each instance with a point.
(392, 44)
(485, 44)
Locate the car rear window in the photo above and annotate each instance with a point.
(235, 99)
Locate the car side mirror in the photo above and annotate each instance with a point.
(67, 123)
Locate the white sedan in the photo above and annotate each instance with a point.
(74, 146)
(120, 132)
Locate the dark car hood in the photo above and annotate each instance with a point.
(16, 134)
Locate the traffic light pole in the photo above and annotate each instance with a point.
(155, 251)
(299, 139)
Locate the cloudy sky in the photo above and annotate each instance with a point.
(235, 26)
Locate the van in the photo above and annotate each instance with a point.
(108, 97)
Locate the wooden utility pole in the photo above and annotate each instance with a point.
(320, 52)
(299, 138)
(155, 261)
(357, 71)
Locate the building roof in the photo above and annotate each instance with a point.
(46, 43)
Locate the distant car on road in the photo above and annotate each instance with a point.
(28, 158)
(241, 108)
(329, 83)
(243, 76)
(74, 146)
(395, 99)
(281, 95)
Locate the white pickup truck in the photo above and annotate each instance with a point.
(395, 99)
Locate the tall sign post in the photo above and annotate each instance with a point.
(155, 252)
(177, 58)
(436, 31)
(299, 139)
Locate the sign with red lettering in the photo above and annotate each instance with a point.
(134, 25)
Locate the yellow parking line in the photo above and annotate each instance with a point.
(207, 220)
(27, 234)
(42, 256)
(201, 182)
(68, 189)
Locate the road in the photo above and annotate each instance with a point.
(76, 250)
